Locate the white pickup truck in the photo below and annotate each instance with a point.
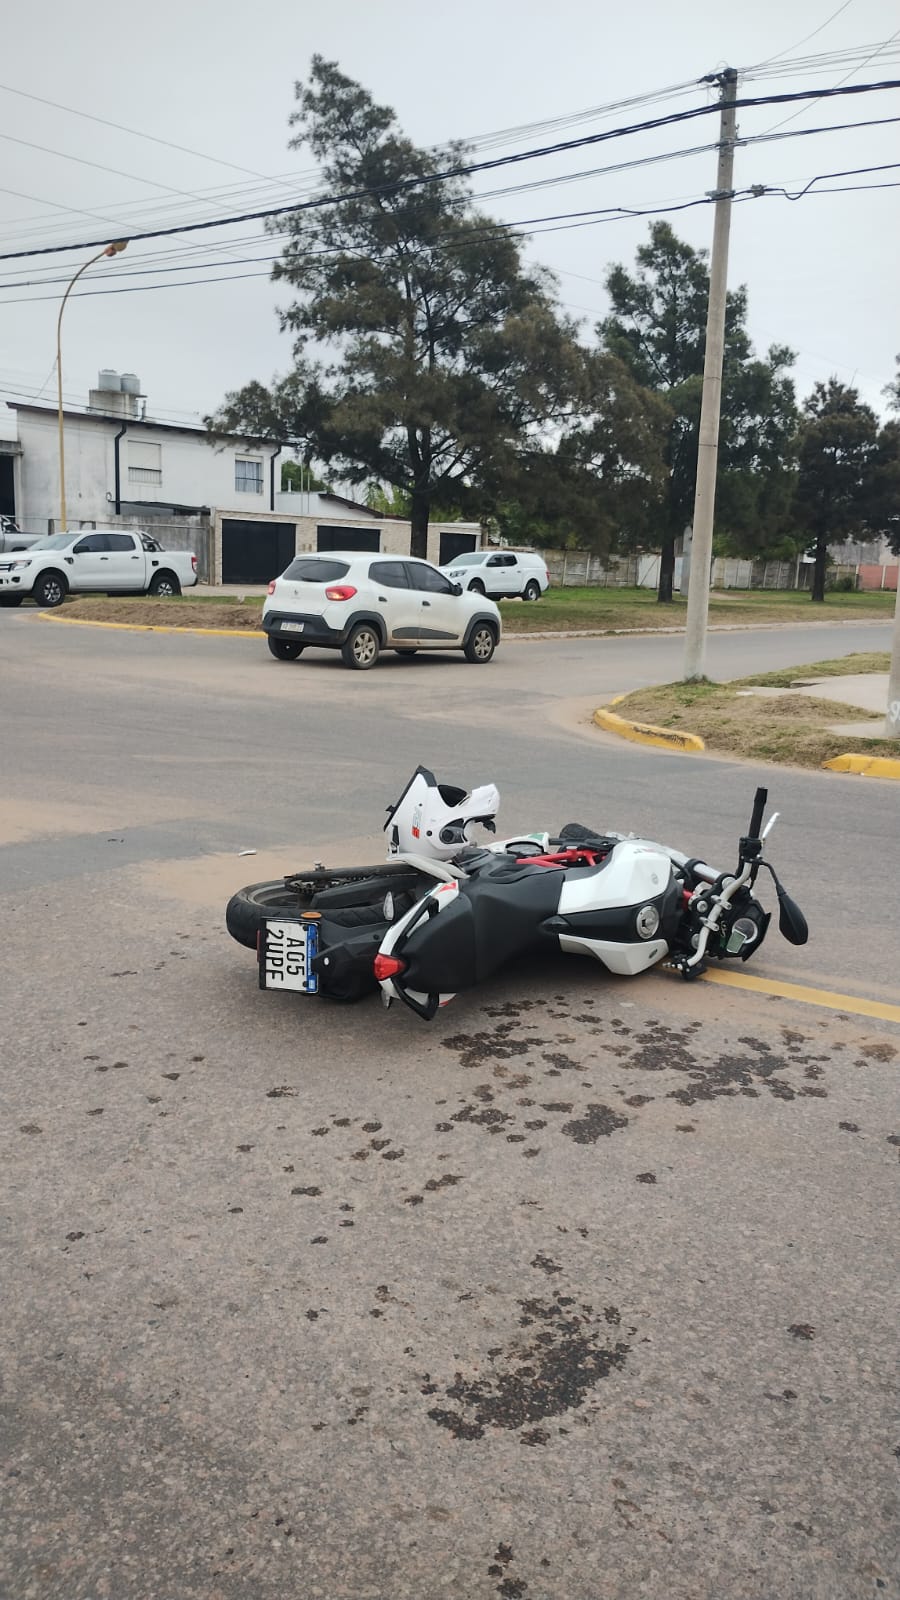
(12, 538)
(100, 562)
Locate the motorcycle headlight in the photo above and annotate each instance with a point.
(647, 921)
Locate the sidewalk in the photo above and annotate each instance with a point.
(867, 691)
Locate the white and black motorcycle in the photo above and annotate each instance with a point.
(443, 912)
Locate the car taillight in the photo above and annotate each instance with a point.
(388, 967)
(194, 562)
(340, 591)
(271, 588)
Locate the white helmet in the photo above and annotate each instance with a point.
(433, 819)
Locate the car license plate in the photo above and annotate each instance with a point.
(286, 954)
(292, 627)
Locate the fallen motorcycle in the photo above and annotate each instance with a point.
(443, 912)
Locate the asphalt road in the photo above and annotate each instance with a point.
(586, 1289)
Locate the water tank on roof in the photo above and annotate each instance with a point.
(109, 380)
(130, 383)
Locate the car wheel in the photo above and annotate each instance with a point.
(477, 587)
(362, 647)
(404, 652)
(481, 644)
(532, 590)
(164, 586)
(284, 649)
(50, 589)
(11, 599)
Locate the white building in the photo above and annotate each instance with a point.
(219, 497)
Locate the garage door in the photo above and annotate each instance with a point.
(348, 538)
(256, 552)
(456, 544)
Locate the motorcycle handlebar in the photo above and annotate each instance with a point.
(759, 806)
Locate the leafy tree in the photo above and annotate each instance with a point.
(887, 484)
(426, 355)
(591, 489)
(845, 472)
(299, 477)
(891, 391)
(658, 330)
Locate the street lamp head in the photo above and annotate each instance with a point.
(117, 248)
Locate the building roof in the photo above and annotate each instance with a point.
(138, 422)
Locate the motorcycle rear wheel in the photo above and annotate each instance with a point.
(248, 909)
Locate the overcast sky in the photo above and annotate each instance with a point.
(219, 78)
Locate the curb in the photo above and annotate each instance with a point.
(151, 627)
(510, 637)
(865, 766)
(645, 732)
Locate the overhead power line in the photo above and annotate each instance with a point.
(214, 254)
(528, 227)
(466, 169)
(806, 38)
(105, 122)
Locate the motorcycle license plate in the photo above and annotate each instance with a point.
(286, 953)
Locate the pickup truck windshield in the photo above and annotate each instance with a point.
(471, 560)
(55, 541)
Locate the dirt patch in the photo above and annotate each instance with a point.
(147, 613)
(560, 611)
(793, 729)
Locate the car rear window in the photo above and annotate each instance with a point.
(311, 569)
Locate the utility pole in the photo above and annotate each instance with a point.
(892, 721)
(708, 453)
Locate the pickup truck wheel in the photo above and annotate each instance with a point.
(532, 590)
(11, 599)
(50, 589)
(164, 585)
(284, 649)
(477, 587)
(362, 647)
(481, 644)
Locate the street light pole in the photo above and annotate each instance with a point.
(110, 250)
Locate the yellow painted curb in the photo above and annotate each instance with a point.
(645, 732)
(152, 627)
(811, 997)
(866, 766)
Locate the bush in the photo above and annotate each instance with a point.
(845, 584)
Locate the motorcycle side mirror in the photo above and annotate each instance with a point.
(791, 921)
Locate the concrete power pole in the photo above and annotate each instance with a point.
(892, 722)
(708, 454)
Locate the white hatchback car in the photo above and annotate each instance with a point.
(501, 573)
(363, 604)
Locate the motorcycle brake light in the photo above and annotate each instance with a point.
(340, 591)
(271, 587)
(388, 967)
